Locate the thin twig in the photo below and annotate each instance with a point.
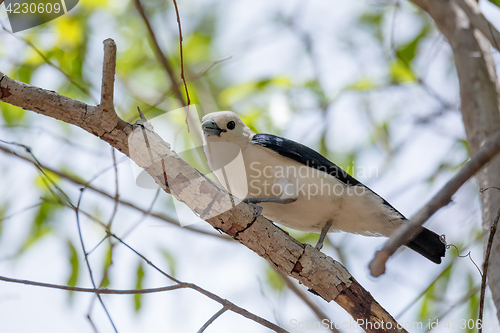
(164, 96)
(143, 217)
(92, 324)
(117, 195)
(224, 302)
(143, 118)
(87, 259)
(212, 319)
(93, 290)
(182, 63)
(159, 54)
(493, 230)
(407, 231)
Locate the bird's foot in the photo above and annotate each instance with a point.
(322, 236)
(274, 200)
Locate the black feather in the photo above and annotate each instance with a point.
(428, 244)
(311, 158)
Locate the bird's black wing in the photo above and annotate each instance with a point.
(427, 243)
(311, 158)
(304, 155)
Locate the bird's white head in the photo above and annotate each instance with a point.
(225, 126)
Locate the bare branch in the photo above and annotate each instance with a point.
(471, 8)
(406, 232)
(182, 63)
(493, 230)
(94, 290)
(88, 263)
(212, 319)
(108, 77)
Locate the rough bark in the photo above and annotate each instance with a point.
(320, 273)
(479, 93)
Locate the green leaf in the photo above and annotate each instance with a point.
(73, 260)
(304, 237)
(108, 261)
(196, 48)
(170, 260)
(24, 72)
(495, 2)
(40, 226)
(373, 21)
(138, 285)
(11, 114)
(362, 84)
(41, 181)
(241, 91)
(407, 52)
(3, 210)
(400, 72)
(274, 279)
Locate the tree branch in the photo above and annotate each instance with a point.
(93, 290)
(320, 273)
(471, 8)
(108, 77)
(406, 232)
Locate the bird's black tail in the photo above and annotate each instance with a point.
(428, 244)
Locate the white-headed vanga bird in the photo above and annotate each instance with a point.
(299, 188)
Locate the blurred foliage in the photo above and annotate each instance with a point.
(171, 261)
(495, 2)
(73, 259)
(274, 280)
(138, 285)
(41, 225)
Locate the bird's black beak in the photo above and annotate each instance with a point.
(210, 128)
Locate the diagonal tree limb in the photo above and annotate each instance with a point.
(320, 273)
(405, 233)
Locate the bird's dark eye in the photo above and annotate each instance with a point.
(231, 125)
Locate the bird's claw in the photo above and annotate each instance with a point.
(270, 200)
